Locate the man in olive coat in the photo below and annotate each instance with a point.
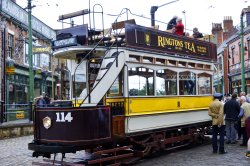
(216, 112)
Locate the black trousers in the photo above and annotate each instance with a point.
(244, 135)
(221, 131)
(238, 127)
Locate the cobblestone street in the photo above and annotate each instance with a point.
(201, 156)
(14, 152)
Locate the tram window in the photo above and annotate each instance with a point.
(79, 83)
(166, 81)
(116, 88)
(187, 82)
(141, 82)
(204, 84)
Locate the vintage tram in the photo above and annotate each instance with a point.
(131, 93)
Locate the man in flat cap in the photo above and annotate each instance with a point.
(216, 112)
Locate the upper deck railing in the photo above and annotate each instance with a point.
(127, 33)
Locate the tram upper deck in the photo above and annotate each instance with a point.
(127, 35)
(172, 57)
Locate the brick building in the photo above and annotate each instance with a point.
(14, 47)
(228, 73)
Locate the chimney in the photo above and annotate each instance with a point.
(217, 32)
(227, 27)
(228, 23)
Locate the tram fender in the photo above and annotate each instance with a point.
(46, 150)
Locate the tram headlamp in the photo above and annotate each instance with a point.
(47, 122)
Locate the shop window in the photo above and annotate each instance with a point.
(18, 89)
(233, 54)
(248, 50)
(26, 54)
(36, 60)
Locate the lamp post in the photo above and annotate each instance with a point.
(3, 72)
(31, 74)
(154, 9)
(242, 53)
(184, 13)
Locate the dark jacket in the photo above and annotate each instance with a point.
(47, 100)
(40, 102)
(232, 110)
(172, 23)
(197, 35)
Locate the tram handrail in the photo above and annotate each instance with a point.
(89, 53)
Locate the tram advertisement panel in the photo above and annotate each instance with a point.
(165, 42)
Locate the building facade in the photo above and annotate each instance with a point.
(234, 55)
(229, 65)
(15, 57)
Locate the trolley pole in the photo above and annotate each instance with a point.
(31, 74)
(154, 9)
(242, 53)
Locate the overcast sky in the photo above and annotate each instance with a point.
(198, 13)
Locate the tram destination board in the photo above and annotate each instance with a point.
(140, 37)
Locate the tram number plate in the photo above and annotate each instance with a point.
(63, 117)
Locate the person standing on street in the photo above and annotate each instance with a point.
(231, 111)
(238, 124)
(247, 124)
(244, 114)
(216, 112)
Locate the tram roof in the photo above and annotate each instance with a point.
(72, 52)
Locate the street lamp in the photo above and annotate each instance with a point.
(242, 52)
(154, 9)
(3, 65)
(184, 13)
(31, 74)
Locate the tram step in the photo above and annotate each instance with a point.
(104, 68)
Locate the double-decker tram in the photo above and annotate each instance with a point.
(131, 93)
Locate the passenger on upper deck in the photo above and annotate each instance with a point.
(172, 23)
(179, 28)
(196, 33)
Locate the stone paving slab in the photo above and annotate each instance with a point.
(14, 152)
(201, 156)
